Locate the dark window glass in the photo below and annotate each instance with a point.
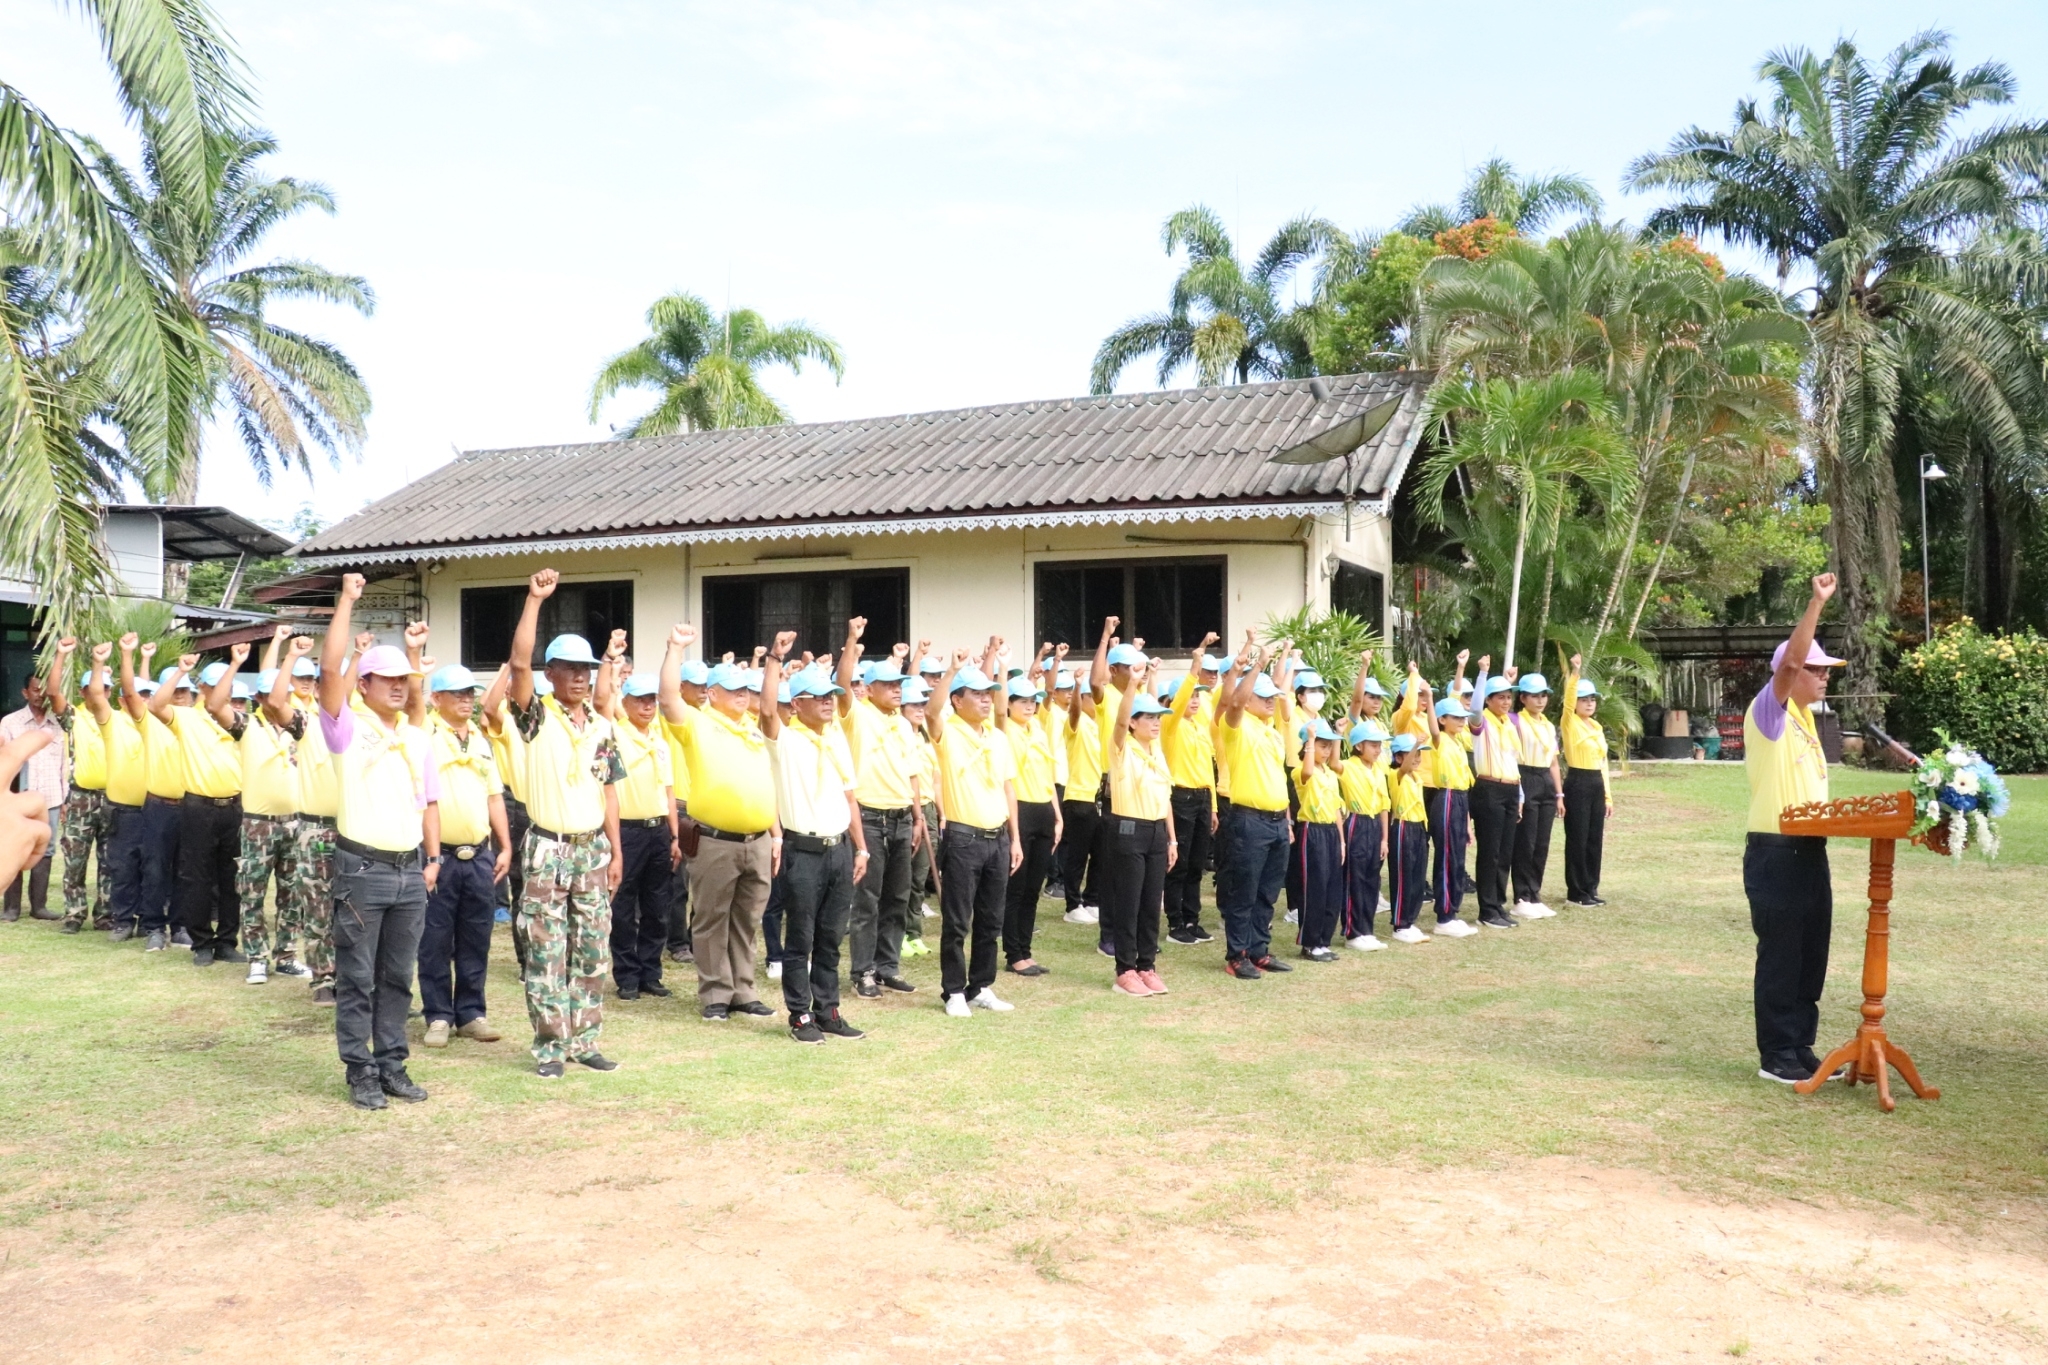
(1169, 603)
(744, 610)
(592, 610)
(1360, 592)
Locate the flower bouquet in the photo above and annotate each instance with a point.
(1958, 798)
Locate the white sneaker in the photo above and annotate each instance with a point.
(956, 1006)
(258, 973)
(1386, 906)
(1525, 910)
(775, 971)
(1078, 915)
(1292, 918)
(1093, 912)
(1538, 910)
(1365, 943)
(924, 908)
(1410, 935)
(987, 1001)
(1457, 928)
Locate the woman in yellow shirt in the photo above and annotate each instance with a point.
(1541, 786)
(1038, 817)
(1588, 798)
(1319, 842)
(1407, 836)
(1363, 782)
(923, 877)
(1141, 835)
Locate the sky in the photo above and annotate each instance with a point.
(968, 198)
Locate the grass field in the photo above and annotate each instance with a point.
(1618, 1036)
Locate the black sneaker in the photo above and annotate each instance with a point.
(70, 926)
(1811, 1060)
(837, 1027)
(400, 1086)
(803, 1028)
(1502, 921)
(230, 955)
(1271, 964)
(1183, 934)
(364, 1091)
(1202, 935)
(896, 983)
(549, 1071)
(1596, 900)
(180, 939)
(1785, 1070)
(202, 957)
(1241, 968)
(1319, 954)
(1106, 950)
(755, 1008)
(629, 992)
(655, 988)
(596, 1061)
(868, 987)
(716, 1014)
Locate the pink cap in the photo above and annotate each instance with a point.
(384, 661)
(1814, 655)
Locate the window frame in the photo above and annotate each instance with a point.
(516, 593)
(1129, 565)
(757, 573)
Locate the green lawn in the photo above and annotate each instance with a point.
(1619, 1036)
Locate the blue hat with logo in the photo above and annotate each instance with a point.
(641, 684)
(1587, 689)
(304, 667)
(1264, 686)
(1451, 707)
(1532, 683)
(1401, 743)
(931, 663)
(1323, 731)
(730, 677)
(1143, 705)
(452, 678)
(695, 673)
(1373, 688)
(1025, 690)
(916, 691)
(1368, 732)
(813, 682)
(1496, 686)
(971, 679)
(1214, 663)
(184, 682)
(1308, 680)
(885, 671)
(1127, 656)
(569, 649)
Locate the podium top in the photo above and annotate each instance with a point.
(1888, 815)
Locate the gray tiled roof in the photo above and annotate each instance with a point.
(1142, 450)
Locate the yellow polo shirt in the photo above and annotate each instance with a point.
(127, 758)
(1031, 752)
(1188, 741)
(1404, 794)
(644, 794)
(732, 786)
(469, 779)
(384, 779)
(1496, 748)
(1140, 781)
(1107, 703)
(973, 766)
(886, 756)
(213, 764)
(319, 779)
(1322, 798)
(88, 751)
(1447, 766)
(270, 773)
(1538, 736)
(678, 761)
(1084, 759)
(1363, 785)
(165, 758)
(1782, 757)
(567, 768)
(1252, 751)
(1585, 745)
(508, 750)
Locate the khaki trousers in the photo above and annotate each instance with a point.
(728, 892)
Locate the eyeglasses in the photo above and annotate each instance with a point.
(1821, 671)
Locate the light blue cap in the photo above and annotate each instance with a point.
(1082, 685)
(1214, 663)
(1025, 690)
(695, 673)
(241, 691)
(1264, 686)
(304, 667)
(1496, 686)
(756, 679)
(569, 649)
(184, 682)
(1373, 688)
(543, 688)
(884, 671)
(1451, 706)
(144, 686)
(730, 677)
(1586, 688)
(1460, 687)
(641, 684)
(813, 682)
(782, 694)
(266, 680)
(931, 663)
(1532, 682)
(1167, 687)
(1401, 743)
(452, 678)
(916, 691)
(1323, 731)
(1368, 732)
(1143, 705)
(1123, 655)
(1063, 681)
(1308, 679)
(971, 679)
(212, 673)
(864, 672)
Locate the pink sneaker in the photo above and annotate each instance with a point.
(1130, 983)
(1152, 982)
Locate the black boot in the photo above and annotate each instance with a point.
(364, 1091)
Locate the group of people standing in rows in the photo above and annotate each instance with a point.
(388, 801)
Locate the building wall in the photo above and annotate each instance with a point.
(964, 585)
(135, 541)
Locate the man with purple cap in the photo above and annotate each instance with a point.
(1785, 876)
(387, 850)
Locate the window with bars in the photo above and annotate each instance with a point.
(1169, 603)
(744, 610)
(592, 610)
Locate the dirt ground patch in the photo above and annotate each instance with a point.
(712, 1254)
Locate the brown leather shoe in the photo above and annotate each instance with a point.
(479, 1030)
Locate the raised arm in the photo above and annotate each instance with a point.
(1357, 707)
(416, 681)
(1098, 671)
(771, 683)
(673, 707)
(273, 647)
(611, 676)
(1801, 643)
(95, 684)
(1464, 657)
(942, 699)
(334, 649)
(992, 659)
(277, 702)
(220, 698)
(849, 659)
(131, 696)
(1127, 702)
(60, 664)
(160, 700)
(539, 588)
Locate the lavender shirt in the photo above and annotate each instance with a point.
(340, 732)
(1769, 714)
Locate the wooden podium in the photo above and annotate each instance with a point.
(1884, 820)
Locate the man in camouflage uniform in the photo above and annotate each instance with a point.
(87, 823)
(307, 881)
(270, 824)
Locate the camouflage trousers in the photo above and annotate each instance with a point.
(308, 894)
(565, 917)
(82, 835)
(270, 847)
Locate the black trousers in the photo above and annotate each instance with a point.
(1407, 869)
(1020, 898)
(1450, 822)
(1532, 836)
(209, 850)
(974, 871)
(1585, 831)
(1792, 910)
(1192, 811)
(1249, 873)
(817, 897)
(1361, 873)
(1080, 851)
(35, 878)
(882, 901)
(1319, 853)
(1138, 890)
(455, 940)
(1495, 809)
(513, 888)
(379, 911)
(641, 905)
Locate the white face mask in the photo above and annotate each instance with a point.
(1314, 700)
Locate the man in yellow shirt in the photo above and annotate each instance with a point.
(1187, 736)
(888, 767)
(1785, 876)
(1083, 851)
(134, 833)
(694, 683)
(86, 819)
(732, 820)
(1253, 866)
(209, 818)
(387, 852)
(476, 854)
(319, 804)
(648, 851)
(270, 733)
(981, 847)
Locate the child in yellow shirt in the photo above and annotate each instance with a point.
(1363, 783)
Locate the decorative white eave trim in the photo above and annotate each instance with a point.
(1001, 521)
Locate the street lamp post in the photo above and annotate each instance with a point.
(1929, 472)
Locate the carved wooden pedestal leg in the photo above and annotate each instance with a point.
(1865, 1057)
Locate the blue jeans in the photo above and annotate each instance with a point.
(456, 941)
(378, 911)
(1249, 875)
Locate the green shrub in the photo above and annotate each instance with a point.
(1987, 691)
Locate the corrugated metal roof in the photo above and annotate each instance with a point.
(1180, 446)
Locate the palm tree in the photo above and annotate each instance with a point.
(284, 389)
(1538, 437)
(1527, 203)
(1226, 321)
(705, 366)
(1860, 178)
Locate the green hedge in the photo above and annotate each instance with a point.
(1987, 691)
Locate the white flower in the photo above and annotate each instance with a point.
(1965, 783)
(1929, 778)
(1957, 755)
(1930, 808)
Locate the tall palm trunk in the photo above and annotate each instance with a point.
(1692, 459)
(1515, 585)
(1549, 577)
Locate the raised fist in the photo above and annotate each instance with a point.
(187, 662)
(129, 640)
(65, 647)
(1464, 657)
(365, 641)
(281, 632)
(238, 654)
(148, 651)
(1109, 624)
(101, 653)
(855, 628)
(785, 640)
(1824, 586)
(352, 585)
(1578, 661)
(617, 646)
(1211, 638)
(960, 657)
(542, 584)
(416, 635)
(1485, 663)
(682, 636)
(299, 646)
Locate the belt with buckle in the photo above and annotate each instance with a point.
(399, 858)
(223, 802)
(582, 838)
(812, 843)
(154, 800)
(727, 836)
(651, 822)
(975, 831)
(324, 821)
(466, 852)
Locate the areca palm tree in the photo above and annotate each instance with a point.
(1858, 175)
(706, 367)
(1224, 320)
(1527, 203)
